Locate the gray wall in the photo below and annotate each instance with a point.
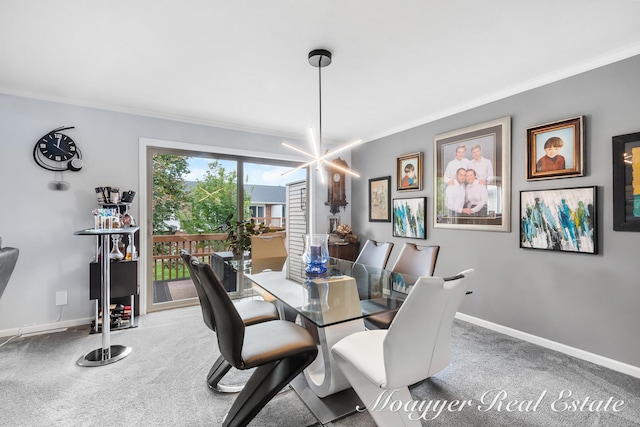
(583, 301)
(41, 222)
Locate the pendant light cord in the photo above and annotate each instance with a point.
(320, 101)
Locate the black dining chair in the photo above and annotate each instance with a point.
(251, 312)
(278, 350)
(8, 259)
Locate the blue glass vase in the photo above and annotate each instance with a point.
(316, 253)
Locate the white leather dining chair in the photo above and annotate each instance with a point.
(374, 254)
(416, 346)
(269, 253)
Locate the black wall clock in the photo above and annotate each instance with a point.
(56, 151)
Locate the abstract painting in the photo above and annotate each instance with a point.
(559, 220)
(626, 182)
(409, 218)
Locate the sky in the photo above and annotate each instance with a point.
(257, 173)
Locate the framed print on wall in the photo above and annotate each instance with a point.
(380, 199)
(559, 220)
(333, 222)
(410, 217)
(555, 150)
(409, 172)
(472, 175)
(626, 182)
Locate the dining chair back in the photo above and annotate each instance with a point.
(416, 346)
(375, 254)
(278, 350)
(8, 259)
(268, 252)
(415, 260)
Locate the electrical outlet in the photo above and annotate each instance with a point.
(61, 298)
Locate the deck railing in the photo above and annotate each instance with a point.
(167, 264)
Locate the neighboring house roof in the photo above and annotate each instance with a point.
(260, 194)
(266, 194)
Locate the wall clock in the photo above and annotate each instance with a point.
(337, 195)
(56, 151)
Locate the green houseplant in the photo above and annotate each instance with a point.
(239, 233)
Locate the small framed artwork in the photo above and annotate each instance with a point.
(559, 220)
(333, 222)
(380, 199)
(556, 150)
(409, 172)
(472, 177)
(626, 182)
(410, 217)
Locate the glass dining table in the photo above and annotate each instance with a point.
(331, 307)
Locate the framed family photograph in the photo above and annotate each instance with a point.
(472, 177)
(380, 199)
(410, 217)
(409, 172)
(626, 189)
(559, 220)
(556, 150)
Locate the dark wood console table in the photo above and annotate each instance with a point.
(344, 250)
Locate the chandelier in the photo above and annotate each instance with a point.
(320, 58)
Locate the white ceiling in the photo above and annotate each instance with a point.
(242, 64)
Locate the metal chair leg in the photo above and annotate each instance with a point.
(217, 372)
(265, 383)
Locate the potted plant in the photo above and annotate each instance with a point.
(239, 234)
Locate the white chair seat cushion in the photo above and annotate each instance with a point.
(364, 352)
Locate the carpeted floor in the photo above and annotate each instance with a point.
(162, 382)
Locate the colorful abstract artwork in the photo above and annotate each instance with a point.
(559, 220)
(409, 217)
(634, 161)
(626, 182)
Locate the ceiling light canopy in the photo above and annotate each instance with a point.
(320, 58)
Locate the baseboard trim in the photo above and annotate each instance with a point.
(44, 328)
(625, 368)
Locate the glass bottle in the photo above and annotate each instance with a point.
(115, 253)
(130, 254)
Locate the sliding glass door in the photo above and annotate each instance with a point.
(194, 194)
